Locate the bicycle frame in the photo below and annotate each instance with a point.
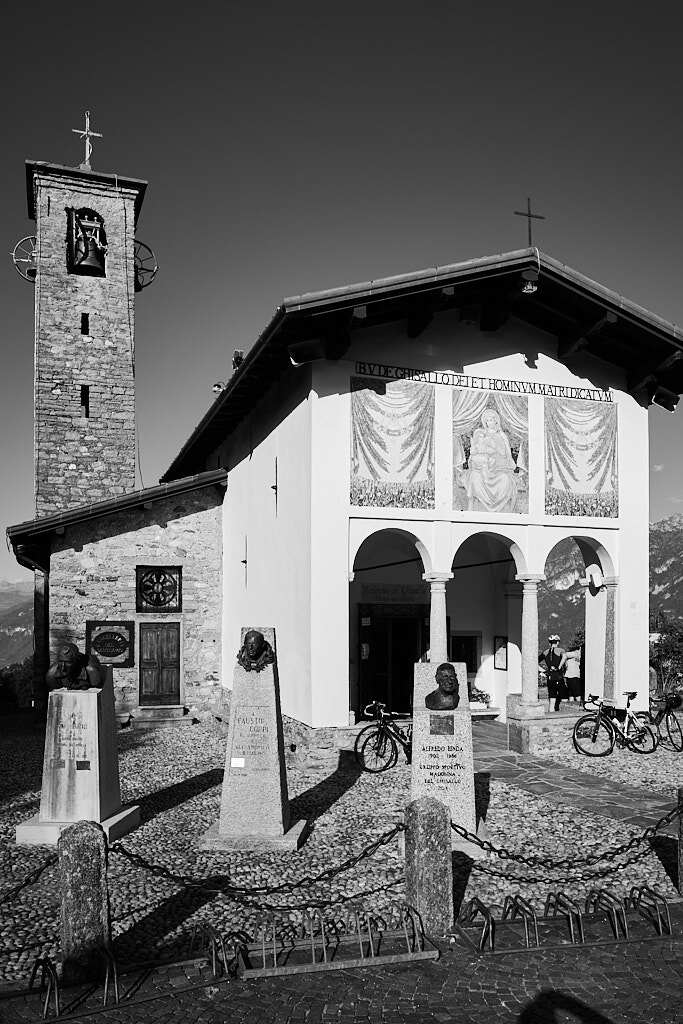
(612, 721)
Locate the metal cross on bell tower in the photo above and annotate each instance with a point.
(87, 135)
(530, 216)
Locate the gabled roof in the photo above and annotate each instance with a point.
(31, 540)
(581, 313)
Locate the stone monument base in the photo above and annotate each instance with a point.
(289, 841)
(35, 832)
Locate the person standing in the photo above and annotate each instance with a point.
(554, 658)
(572, 675)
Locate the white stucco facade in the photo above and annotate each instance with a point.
(302, 542)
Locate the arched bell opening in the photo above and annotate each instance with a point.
(388, 619)
(484, 614)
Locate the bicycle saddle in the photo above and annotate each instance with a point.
(630, 694)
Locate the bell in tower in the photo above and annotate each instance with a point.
(87, 243)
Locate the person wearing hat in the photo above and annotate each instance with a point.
(554, 658)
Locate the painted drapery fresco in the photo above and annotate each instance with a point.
(490, 448)
(392, 443)
(580, 458)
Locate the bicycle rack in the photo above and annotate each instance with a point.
(643, 916)
(48, 973)
(220, 949)
(363, 940)
(111, 973)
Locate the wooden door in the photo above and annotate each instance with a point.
(159, 663)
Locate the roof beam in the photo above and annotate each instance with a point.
(652, 375)
(568, 344)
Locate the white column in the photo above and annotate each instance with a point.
(438, 638)
(530, 639)
(610, 584)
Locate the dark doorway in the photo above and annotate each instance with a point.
(392, 639)
(159, 663)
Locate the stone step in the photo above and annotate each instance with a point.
(159, 717)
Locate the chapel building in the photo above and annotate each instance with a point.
(382, 478)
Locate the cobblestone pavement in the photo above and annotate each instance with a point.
(533, 807)
(613, 984)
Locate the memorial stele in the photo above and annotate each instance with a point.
(80, 764)
(442, 759)
(255, 810)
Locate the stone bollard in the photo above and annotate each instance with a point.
(680, 841)
(429, 865)
(86, 926)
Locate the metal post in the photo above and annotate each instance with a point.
(680, 840)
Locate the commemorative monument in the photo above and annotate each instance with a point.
(443, 761)
(254, 802)
(80, 765)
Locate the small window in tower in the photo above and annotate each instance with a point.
(85, 323)
(85, 400)
(86, 243)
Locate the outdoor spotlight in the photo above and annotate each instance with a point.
(530, 279)
(218, 387)
(666, 399)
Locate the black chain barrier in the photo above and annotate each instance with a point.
(258, 890)
(567, 862)
(29, 879)
(578, 876)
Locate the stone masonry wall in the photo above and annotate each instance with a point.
(79, 459)
(92, 576)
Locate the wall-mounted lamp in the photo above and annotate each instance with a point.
(237, 358)
(218, 387)
(529, 282)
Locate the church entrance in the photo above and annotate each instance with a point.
(392, 638)
(159, 663)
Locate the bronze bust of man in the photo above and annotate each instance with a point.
(447, 695)
(255, 652)
(74, 670)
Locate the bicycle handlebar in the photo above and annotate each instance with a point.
(375, 704)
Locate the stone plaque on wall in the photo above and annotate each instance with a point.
(113, 642)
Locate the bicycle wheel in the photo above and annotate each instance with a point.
(646, 718)
(674, 731)
(367, 730)
(377, 752)
(593, 737)
(641, 738)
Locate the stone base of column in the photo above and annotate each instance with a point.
(532, 730)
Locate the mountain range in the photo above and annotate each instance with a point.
(560, 604)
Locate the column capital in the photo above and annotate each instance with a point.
(437, 577)
(530, 577)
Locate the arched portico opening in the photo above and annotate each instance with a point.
(576, 602)
(484, 611)
(388, 619)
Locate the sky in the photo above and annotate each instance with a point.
(299, 146)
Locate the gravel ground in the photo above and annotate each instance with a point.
(660, 772)
(176, 775)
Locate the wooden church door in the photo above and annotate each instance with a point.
(159, 663)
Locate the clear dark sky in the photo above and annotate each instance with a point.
(291, 147)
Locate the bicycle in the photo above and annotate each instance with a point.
(376, 746)
(595, 734)
(674, 733)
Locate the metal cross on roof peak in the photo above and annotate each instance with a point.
(530, 216)
(87, 135)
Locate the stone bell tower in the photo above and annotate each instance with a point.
(85, 283)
